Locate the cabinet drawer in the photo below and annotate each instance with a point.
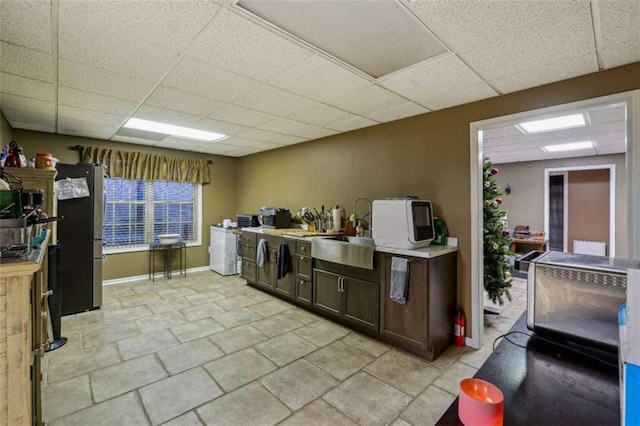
(304, 266)
(249, 271)
(303, 248)
(249, 252)
(303, 291)
(249, 238)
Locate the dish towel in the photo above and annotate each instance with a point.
(282, 263)
(262, 255)
(399, 280)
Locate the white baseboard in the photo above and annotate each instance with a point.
(146, 276)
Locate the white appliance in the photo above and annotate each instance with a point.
(402, 223)
(222, 251)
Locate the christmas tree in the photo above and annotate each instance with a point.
(497, 278)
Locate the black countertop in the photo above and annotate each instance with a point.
(544, 384)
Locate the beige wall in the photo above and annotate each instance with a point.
(5, 131)
(426, 155)
(219, 197)
(588, 206)
(525, 204)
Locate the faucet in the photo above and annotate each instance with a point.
(355, 203)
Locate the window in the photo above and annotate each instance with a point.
(137, 211)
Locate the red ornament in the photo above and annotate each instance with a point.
(499, 200)
(494, 171)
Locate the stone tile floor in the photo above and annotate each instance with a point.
(207, 349)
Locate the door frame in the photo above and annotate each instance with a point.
(631, 100)
(612, 200)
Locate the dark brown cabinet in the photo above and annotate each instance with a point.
(286, 285)
(266, 275)
(304, 269)
(248, 242)
(351, 299)
(424, 325)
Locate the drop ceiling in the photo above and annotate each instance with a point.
(83, 68)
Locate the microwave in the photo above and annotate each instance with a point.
(402, 223)
(274, 217)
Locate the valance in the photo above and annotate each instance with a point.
(139, 165)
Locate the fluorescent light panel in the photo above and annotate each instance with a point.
(556, 123)
(170, 129)
(569, 146)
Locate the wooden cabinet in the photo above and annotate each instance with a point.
(351, 299)
(304, 269)
(23, 299)
(424, 325)
(265, 276)
(248, 247)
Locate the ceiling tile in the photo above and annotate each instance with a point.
(352, 124)
(295, 128)
(94, 101)
(169, 98)
(247, 48)
(240, 115)
(529, 34)
(204, 79)
(610, 126)
(619, 54)
(27, 104)
(26, 62)
(146, 112)
(173, 142)
(547, 73)
(501, 132)
(367, 99)
(80, 114)
(611, 136)
(289, 139)
(320, 115)
(133, 140)
(40, 116)
(108, 34)
(439, 83)
(91, 79)
(150, 137)
(26, 87)
(274, 101)
(397, 112)
(219, 127)
(507, 140)
(259, 135)
(620, 21)
(26, 23)
(607, 115)
(91, 129)
(320, 79)
(574, 134)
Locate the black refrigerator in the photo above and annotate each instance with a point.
(81, 199)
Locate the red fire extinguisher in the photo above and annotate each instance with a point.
(458, 327)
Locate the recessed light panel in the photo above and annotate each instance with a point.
(376, 37)
(576, 146)
(555, 123)
(170, 129)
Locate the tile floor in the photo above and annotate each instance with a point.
(207, 349)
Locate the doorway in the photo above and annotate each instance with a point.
(580, 205)
(631, 104)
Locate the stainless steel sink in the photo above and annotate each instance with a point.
(358, 253)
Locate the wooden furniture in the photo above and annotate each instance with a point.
(540, 245)
(23, 337)
(424, 325)
(545, 384)
(248, 248)
(304, 271)
(40, 179)
(167, 258)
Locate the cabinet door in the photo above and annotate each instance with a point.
(326, 295)
(303, 290)
(249, 271)
(303, 266)
(266, 274)
(286, 286)
(406, 323)
(361, 302)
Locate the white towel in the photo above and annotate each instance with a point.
(399, 280)
(262, 254)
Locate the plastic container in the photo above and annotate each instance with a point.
(44, 160)
(480, 403)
